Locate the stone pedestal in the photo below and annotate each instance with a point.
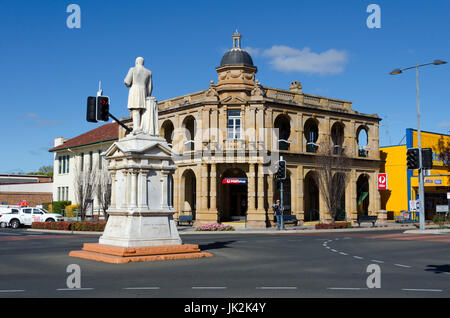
(140, 218)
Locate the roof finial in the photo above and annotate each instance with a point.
(236, 40)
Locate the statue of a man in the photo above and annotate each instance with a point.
(139, 79)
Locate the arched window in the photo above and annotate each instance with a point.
(189, 126)
(283, 130)
(362, 140)
(166, 131)
(337, 135)
(311, 131)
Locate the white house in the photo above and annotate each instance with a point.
(81, 152)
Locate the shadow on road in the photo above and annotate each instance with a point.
(215, 245)
(438, 268)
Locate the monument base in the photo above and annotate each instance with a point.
(121, 255)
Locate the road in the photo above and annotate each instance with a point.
(285, 265)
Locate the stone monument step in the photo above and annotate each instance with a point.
(139, 251)
(114, 259)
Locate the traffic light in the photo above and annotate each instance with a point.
(102, 108)
(97, 109)
(91, 114)
(427, 158)
(281, 172)
(412, 158)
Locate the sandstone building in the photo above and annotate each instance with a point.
(229, 136)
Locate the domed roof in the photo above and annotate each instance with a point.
(236, 56)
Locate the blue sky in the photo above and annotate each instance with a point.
(48, 70)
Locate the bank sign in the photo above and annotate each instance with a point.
(234, 181)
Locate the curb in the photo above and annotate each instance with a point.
(429, 231)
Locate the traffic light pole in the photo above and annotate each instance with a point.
(120, 123)
(281, 194)
(419, 144)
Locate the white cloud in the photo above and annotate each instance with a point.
(252, 50)
(288, 59)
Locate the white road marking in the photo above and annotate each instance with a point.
(12, 291)
(67, 289)
(342, 253)
(358, 257)
(328, 247)
(141, 288)
(209, 287)
(400, 265)
(345, 288)
(376, 261)
(422, 290)
(333, 250)
(266, 287)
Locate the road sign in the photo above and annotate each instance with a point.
(382, 181)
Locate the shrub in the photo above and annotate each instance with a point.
(215, 227)
(327, 226)
(57, 206)
(70, 226)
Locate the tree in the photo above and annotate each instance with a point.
(443, 151)
(84, 185)
(103, 190)
(332, 175)
(43, 171)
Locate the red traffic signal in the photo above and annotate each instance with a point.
(102, 108)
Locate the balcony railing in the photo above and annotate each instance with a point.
(312, 147)
(283, 144)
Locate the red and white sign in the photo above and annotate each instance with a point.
(382, 181)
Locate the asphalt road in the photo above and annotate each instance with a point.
(285, 265)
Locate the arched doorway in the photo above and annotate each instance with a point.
(311, 198)
(286, 192)
(189, 193)
(362, 195)
(234, 195)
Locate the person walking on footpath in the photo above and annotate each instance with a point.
(278, 212)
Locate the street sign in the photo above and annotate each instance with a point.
(414, 205)
(382, 181)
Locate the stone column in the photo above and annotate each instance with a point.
(128, 189)
(351, 197)
(113, 190)
(164, 190)
(142, 189)
(133, 191)
(300, 195)
(251, 189)
(260, 193)
(213, 193)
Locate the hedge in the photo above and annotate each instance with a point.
(70, 226)
(327, 226)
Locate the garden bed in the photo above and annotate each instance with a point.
(70, 226)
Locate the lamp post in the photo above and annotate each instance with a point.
(421, 181)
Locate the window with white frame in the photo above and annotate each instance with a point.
(234, 124)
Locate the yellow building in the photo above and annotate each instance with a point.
(403, 184)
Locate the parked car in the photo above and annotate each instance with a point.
(26, 216)
(7, 210)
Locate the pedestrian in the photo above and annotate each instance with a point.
(278, 213)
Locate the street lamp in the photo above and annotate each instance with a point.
(421, 182)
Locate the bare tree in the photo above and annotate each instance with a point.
(332, 175)
(84, 185)
(103, 190)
